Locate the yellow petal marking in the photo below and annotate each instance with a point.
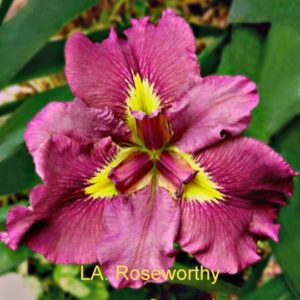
(141, 97)
(100, 186)
(201, 188)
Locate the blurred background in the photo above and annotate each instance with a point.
(257, 38)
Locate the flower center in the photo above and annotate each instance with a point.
(151, 155)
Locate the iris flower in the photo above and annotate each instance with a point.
(147, 155)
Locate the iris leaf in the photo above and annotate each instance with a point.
(16, 167)
(244, 54)
(11, 134)
(9, 107)
(128, 294)
(269, 64)
(50, 59)
(287, 250)
(258, 11)
(17, 172)
(204, 284)
(23, 36)
(274, 289)
(210, 57)
(279, 82)
(10, 259)
(255, 276)
(4, 7)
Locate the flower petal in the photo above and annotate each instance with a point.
(219, 235)
(133, 173)
(73, 117)
(210, 109)
(152, 130)
(60, 213)
(102, 74)
(175, 171)
(252, 177)
(142, 220)
(165, 54)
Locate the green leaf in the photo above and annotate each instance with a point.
(269, 64)
(140, 7)
(244, 54)
(287, 250)
(274, 289)
(98, 290)
(65, 277)
(50, 59)
(128, 294)
(17, 172)
(210, 57)
(204, 284)
(9, 107)
(30, 30)
(259, 11)
(10, 259)
(4, 210)
(256, 273)
(4, 7)
(16, 166)
(279, 82)
(11, 133)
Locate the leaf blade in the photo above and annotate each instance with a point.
(45, 20)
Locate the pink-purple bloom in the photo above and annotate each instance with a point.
(147, 155)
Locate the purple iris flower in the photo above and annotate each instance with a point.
(147, 155)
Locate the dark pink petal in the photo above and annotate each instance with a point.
(73, 117)
(223, 237)
(165, 54)
(212, 108)
(130, 172)
(140, 232)
(153, 130)
(252, 177)
(175, 170)
(100, 74)
(60, 214)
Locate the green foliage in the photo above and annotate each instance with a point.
(279, 81)
(17, 172)
(23, 36)
(10, 259)
(267, 61)
(16, 166)
(243, 55)
(11, 133)
(50, 59)
(259, 11)
(287, 250)
(274, 289)
(204, 285)
(4, 7)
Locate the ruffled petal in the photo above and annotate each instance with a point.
(98, 73)
(220, 235)
(252, 178)
(164, 54)
(210, 109)
(60, 213)
(102, 74)
(141, 231)
(73, 118)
